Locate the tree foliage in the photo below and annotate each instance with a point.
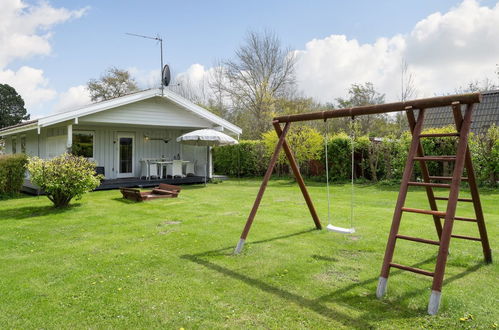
(360, 95)
(64, 177)
(305, 142)
(12, 110)
(261, 72)
(485, 151)
(113, 83)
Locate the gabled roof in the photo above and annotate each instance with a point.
(120, 101)
(485, 114)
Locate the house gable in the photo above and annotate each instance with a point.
(154, 111)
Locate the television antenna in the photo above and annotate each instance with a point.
(162, 69)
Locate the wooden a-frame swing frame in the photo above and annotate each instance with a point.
(462, 160)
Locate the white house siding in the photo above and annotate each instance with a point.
(154, 112)
(155, 117)
(105, 150)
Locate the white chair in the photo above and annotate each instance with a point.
(190, 168)
(177, 168)
(153, 169)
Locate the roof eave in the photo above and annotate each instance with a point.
(20, 129)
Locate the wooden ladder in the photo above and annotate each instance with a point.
(461, 160)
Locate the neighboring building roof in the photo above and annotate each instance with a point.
(485, 114)
(120, 101)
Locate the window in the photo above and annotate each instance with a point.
(23, 144)
(83, 143)
(14, 145)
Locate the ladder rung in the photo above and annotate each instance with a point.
(465, 219)
(445, 178)
(412, 269)
(437, 213)
(459, 199)
(428, 184)
(466, 237)
(439, 134)
(461, 218)
(436, 158)
(417, 239)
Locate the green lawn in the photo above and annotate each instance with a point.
(168, 263)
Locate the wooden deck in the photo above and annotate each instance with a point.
(32, 189)
(144, 183)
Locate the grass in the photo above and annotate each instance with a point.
(105, 262)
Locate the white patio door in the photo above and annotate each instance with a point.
(126, 155)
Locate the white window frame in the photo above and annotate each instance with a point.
(93, 140)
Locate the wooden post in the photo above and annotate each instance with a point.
(475, 195)
(263, 186)
(397, 215)
(450, 213)
(298, 177)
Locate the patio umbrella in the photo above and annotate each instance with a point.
(208, 138)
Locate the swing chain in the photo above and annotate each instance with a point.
(327, 173)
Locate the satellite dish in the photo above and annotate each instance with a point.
(165, 75)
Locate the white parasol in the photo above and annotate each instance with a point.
(208, 138)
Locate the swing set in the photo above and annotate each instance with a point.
(462, 160)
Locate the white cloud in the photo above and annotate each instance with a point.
(25, 31)
(195, 74)
(73, 98)
(443, 51)
(145, 79)
(30, 84)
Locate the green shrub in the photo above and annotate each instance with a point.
(246, 159)
(64, 177)
(306, 142)
(339, 157)
(485, 154)
(12, 170)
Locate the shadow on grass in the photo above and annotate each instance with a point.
(289, 296)
(371, 308)
(227, 251)
(124, 200)
(19, 213)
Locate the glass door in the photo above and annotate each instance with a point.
(125, 155)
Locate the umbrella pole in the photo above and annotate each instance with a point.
(207, 164)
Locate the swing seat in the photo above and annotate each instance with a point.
(340, 230)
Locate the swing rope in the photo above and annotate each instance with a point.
(330, 227)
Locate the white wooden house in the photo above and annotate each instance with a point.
(121, 133)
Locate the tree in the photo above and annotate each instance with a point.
(360, 95)
(262, 72)
(12, 110)
(407, 92)
(113, 83)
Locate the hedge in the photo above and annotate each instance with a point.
(12, 170)
(375, 159)
(246, 159)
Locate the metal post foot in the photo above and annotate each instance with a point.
(434, 303)
(239, 246)
(381, 289)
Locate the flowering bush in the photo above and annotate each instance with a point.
(64, 177)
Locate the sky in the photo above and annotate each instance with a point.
(50, 49)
